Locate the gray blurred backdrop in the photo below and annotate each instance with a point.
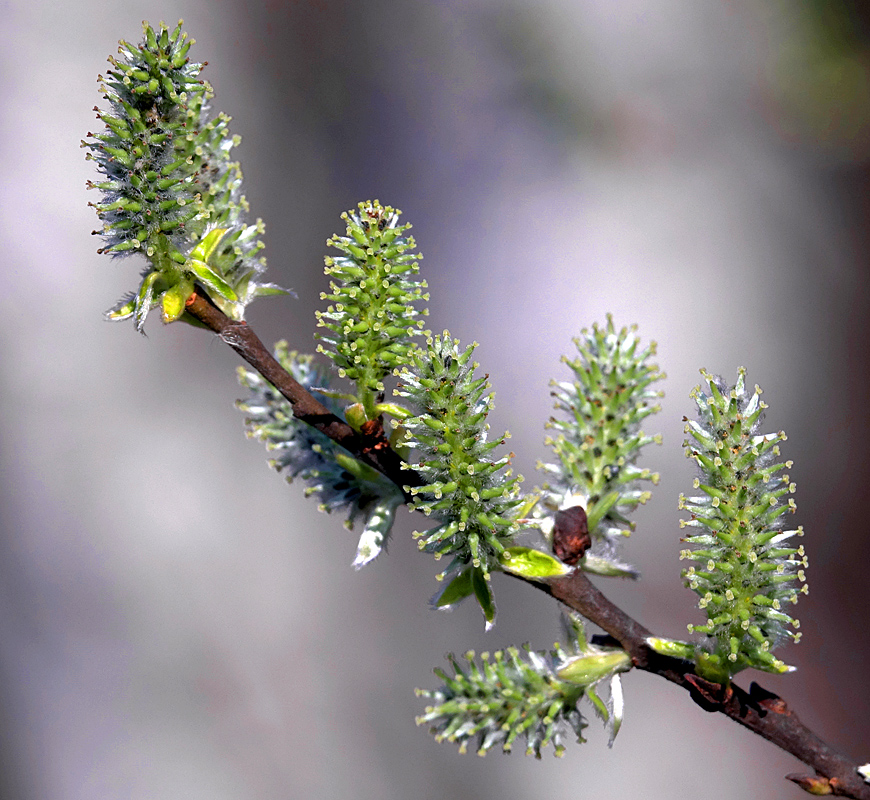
(176, 622)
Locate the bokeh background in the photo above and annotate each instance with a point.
(177, 622)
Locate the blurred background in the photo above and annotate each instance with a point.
(177, 622)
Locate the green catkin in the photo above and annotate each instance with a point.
(470, 492)
(747, 573)
(599, 438)
(370, 326)
(170, 191)
(505, 699)
(524, 695)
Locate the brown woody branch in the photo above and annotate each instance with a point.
(758, 710)
(369, 446)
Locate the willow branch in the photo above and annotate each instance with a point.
(371, 448)
(759, 710)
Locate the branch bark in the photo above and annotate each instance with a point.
(759, 710)
(371, 447)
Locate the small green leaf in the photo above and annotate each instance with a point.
(672, 647)
(356, 468)
(394, 410)
(575, 632)
(532, 564)
(592, 667)
(599, 705)
(356, 416)
(204, 249)
(174, 300)
(267, 289)
(483, 593)
(333, 394)
(610, 567)
(211, 279)
(145, 298)
(377, 530)
(528, 504)
(124, 310)
(617, 708)
(596, 511)
(455, 591)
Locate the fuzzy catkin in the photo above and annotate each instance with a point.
(469, 491)
(369, 328)
(169, 189)
(599, 437)
(747, 571)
